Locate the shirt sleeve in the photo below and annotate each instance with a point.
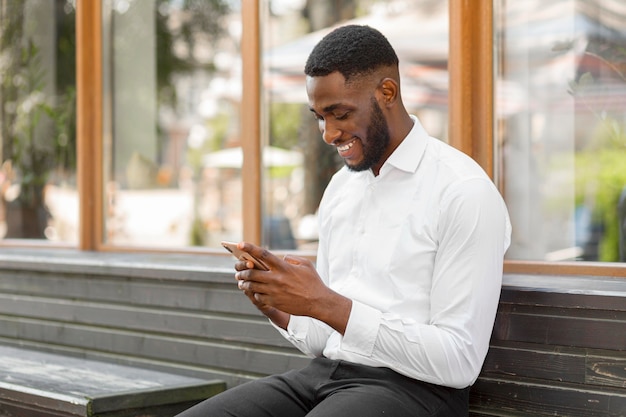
(474, 233)
(307, 334)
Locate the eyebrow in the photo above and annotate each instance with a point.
(328, 109)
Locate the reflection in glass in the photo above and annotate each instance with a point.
(561, 127)
(37, 120)
(293, 188)
(172, 94)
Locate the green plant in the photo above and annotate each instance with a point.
(601, 174)
(601, 164)
(34, 155)
(37, 127)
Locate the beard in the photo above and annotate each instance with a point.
(378, 139)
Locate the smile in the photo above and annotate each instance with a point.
(345, 147)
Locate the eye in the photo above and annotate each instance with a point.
(342, 116)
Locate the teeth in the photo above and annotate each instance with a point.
(345, 147)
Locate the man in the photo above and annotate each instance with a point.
(399, 311)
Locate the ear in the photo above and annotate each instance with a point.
(389, 91)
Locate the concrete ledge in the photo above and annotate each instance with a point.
(148, 265)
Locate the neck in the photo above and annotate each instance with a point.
(399, 129)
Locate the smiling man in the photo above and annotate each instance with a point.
(347, 97)
(398, 311)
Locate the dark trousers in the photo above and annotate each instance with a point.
(327, 388)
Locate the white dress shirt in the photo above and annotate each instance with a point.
(419, 250)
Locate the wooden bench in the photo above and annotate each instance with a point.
(558, 348)
(34, 383)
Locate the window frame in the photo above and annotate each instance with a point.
(471, 119)
(89, 100)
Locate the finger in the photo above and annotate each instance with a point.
(260, 253)
(250, 286)
(247, 276)
(243, 265)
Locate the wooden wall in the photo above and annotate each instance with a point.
(558, 347)
(183, 314)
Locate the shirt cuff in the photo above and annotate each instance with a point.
(296, 329)
(362, 329)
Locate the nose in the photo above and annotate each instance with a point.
(330, 133)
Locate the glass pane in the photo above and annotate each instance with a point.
(172, 94)
(561, 127)
(298, 164)
(38, 120)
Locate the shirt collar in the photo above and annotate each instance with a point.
(408, 154)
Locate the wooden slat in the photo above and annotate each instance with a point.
(562, 328)
(255, 330)
(224, 356)
(531, 397)
(47, 384)
(196, 296)
(170, 267)
(609, 370)
(485, 413)
(548, 363)
(556, 364)
(575, 313)
(231, 378)
(552, 299)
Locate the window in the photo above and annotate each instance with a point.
(172, 146)
(561, 128)
(297, 163)
(38, 197)
(185, 123)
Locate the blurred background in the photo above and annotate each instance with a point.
(172, 117)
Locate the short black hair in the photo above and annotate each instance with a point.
(351, 50)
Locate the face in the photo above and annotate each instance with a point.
(350, 119)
